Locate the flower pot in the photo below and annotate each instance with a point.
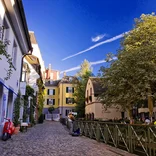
(17, 129)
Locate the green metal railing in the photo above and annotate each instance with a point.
(139, 139)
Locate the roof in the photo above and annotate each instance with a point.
(97, 85)
(22, 13)
(54, 83)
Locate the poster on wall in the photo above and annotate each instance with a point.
(3, 107)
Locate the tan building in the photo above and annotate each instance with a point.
(94, 109)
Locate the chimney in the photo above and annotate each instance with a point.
(64, 74)
(49, 66)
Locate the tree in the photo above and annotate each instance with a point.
(131, 78)
(51, 109)
(3, 44)
(80, 86)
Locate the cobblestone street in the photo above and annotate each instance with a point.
(52, 139)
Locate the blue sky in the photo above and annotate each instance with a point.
(66, 27)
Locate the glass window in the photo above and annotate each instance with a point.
(69, 90)
(69, 100)
(51, 101)
(51, 91)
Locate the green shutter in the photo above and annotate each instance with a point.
(53, 91)
(66, 89)
(47, 101)
(66, 100)
(48, 91)
(73, 90)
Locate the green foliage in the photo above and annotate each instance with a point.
(40, 96)
(3, 52)
(41, 118)
(80, 87)
(17, 105)
(29, 92)
(51, 109)
(131, 78)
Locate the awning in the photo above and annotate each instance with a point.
(8, 88)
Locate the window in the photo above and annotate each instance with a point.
(50, 101)
(51, 92)
(51, 75)
(14, 54)
(69, 100)
(51, 82)
(69, 89)
(67, 112)
(70, 79)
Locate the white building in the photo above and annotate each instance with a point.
(12, 17)
(34, 69)
(36, 52)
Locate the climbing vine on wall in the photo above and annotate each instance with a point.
(3, 44)
(40, 96)
(29, 92)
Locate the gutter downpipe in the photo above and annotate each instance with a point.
(22, 62)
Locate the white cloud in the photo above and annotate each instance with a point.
(91, 63)
(96, 45)
(97, 38)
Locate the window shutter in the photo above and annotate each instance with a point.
(73, 90)
(53, 101)
(47, 101)
(73, 101)
(53, 91)
(66, 100)
(66, 89)
(48, 91)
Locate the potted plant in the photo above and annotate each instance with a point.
(17, 105)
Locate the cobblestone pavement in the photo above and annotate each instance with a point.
(52, 139)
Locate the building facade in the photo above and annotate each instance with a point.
(59, 94)
(66, 98)
(94, 108)
(13, 22)
(51, 74)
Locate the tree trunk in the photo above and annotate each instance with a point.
(150, 103)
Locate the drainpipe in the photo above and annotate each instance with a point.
(22, 62)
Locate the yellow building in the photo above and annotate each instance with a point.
(59, 94)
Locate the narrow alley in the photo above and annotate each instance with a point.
(52, 139)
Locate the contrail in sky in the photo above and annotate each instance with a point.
(91, 63)
(96, 45)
